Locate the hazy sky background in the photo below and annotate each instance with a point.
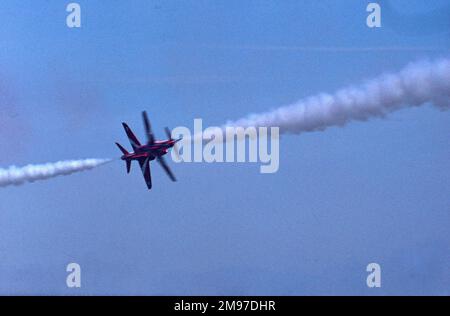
(376, 191)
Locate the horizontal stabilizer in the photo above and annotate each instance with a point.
(128, 166)
(123, 150)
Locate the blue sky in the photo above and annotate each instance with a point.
(376, 191)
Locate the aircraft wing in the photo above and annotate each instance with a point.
(166, 168)
(145, 167)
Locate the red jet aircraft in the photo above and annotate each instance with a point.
(145, 153)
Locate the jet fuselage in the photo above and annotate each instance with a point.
(157, 149)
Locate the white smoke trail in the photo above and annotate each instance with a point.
(415, 85)
(30, 173)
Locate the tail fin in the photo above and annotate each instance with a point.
(123, 150)
(131, 137)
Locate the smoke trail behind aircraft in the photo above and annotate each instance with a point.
(415, 85)
(30, 173)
